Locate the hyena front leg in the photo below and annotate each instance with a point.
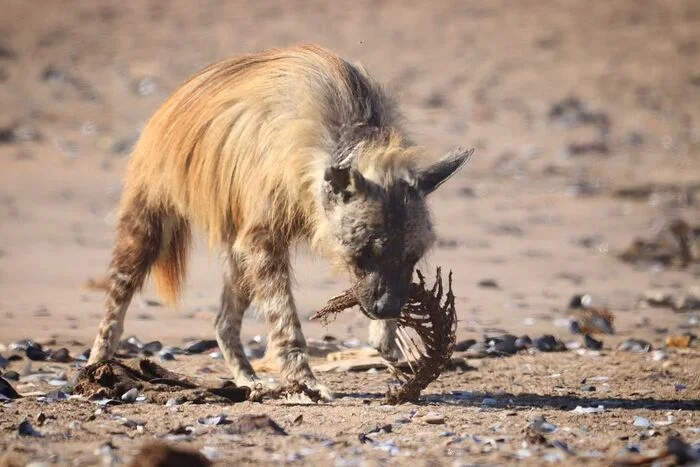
(382, 337)
(235, 300)
(268, 267)
(137, 244)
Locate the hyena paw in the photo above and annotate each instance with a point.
(323, 391)
(258, 388)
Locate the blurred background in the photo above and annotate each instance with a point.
(585, 117)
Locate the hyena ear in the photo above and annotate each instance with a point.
(430, 178)
(345, 181)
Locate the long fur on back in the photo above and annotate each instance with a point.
(243, 145)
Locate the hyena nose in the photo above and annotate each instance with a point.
(387, 307)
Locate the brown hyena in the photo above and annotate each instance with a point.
(261, 151)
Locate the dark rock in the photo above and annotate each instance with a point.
(505, 347)
(464, 345)
(548, 343)
(152, 347)
(592, 343)
(11, 375)
(4, 363)
(61, 355)
(201, 346)
(523, 342)
(488, 284)
(167, 356)
(36, 353)
(26, 429)
(587, 388)
(7, 390)
(84, 357)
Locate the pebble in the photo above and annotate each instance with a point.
(542, 426)
(635, 345)
(548, 343)
(523, 342)
(505, 347)
(166, 356)
(61, 355)
(587, 388)
(588, 410)
(11, 375)
(592, 343)
(130, 395)
(488, 284)
(434, 418)
(641, 422)
(6, 390)
(213, 421)
(152, 347)
(26, 429)
(34, 352)
(489, 401)
(659, 355)
(201, 346)
(464, 345)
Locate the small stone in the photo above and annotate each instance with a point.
(641, 422)
(588, 410)
(11, 375)
(166, 356)
(130, 395)
(61, 355)
(488, 284)
(659, 355)
(434, 418)
(201, 346)
(592, 343)
(542, 426)
(464, 345)
(6, 389)
(151, 347)
(489, 401)
(587, 388)
(634, 345)
(548, 343)
(679, 342)
(26, 429)
(34, 352)
(505, 347)
(213, 421)
(523, 342)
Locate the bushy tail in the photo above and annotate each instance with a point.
(170, 269)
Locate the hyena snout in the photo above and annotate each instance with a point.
(381, 299)
(388, 306)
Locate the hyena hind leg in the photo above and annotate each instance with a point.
(235, 300)
(139, 238)
(382, 337)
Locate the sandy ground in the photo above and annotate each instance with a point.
(79, 79)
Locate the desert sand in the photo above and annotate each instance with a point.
(534, 211)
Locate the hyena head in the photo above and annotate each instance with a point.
(382, 230)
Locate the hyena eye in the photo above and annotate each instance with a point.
(364, 257)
